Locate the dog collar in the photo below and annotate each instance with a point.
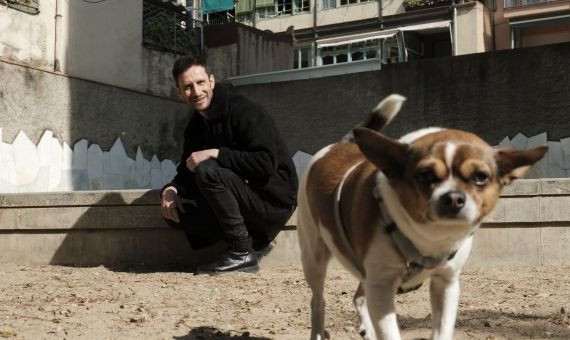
(406, 246)
(412, 253)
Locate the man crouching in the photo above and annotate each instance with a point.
(236, 181)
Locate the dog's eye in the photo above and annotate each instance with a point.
(427, 176)
(480, 178)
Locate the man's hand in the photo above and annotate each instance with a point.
(200, 156)
(171, 203)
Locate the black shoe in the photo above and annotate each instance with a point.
(231, 260)
(265, 250)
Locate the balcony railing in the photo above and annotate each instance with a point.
(170, 30)
(216, 19)
(519, 3)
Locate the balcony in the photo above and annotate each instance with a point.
(412, 5)
(520, 3)
(168, 27)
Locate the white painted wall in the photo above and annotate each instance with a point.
(98, 41)
(28, 38)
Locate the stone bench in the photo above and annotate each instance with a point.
(529, 227)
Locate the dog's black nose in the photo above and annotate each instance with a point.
(451, 203)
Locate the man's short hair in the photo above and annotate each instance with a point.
(185, 62)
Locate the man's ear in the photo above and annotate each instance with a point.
(514, 164)
(179, 92)
(387, 154)
(212, 80)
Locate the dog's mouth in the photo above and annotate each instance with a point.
(453, 206)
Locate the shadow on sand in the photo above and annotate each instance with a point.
(124, 231)
(207, 332)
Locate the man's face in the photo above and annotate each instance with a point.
(196, 88)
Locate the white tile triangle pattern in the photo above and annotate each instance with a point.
(155, 175)
(44, 148)
(301, 160)
(95, 166)
(519, 141)
(56, 164)
(26, 159)
(505, 143)
(142, 170)
(556, 162)
(53, 166)
(565, 145)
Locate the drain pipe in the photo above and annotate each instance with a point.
(314, 48)
(381, 14)
(58, 36)
(455, 40)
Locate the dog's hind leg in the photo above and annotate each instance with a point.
(366, 329)
(315, 257)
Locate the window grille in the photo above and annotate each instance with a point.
(170, 30)
(26, 6)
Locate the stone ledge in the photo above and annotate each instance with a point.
(530, 226)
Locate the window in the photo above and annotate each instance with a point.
(302, 57)
(26, 6)
(362, 50)
(329, 4)
(350, 2)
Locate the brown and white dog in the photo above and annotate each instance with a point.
(397, 212)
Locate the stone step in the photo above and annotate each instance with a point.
(529, 227)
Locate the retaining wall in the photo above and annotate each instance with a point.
(529, 227)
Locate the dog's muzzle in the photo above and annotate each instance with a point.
(449, 205)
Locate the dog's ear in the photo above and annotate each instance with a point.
(514, 164)
(387, 154)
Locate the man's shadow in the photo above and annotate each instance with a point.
(124, 231)
(207, 332)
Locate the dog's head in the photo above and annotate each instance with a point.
(443, 176)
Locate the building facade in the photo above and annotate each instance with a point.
(340, 31)
(526, 23)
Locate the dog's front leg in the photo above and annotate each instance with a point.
(380, 299)
(444, 294)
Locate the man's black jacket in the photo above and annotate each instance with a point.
(249, 145)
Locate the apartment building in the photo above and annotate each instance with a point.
(341, 31)
(525, 23)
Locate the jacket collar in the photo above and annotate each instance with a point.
(219, 104)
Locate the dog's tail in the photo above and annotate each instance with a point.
(380, 116)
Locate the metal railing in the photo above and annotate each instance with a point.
(518, 3)
(27, 6)
(170, 30)
(215, 19)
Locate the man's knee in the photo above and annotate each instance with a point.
(210, 172)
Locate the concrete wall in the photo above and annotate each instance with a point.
(236, 49)
(96, 41)
(494, 94)
(529, 227)
(258, 54)
(32, 100)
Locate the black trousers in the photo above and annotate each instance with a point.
(225, 207)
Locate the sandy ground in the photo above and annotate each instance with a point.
(52, 302)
